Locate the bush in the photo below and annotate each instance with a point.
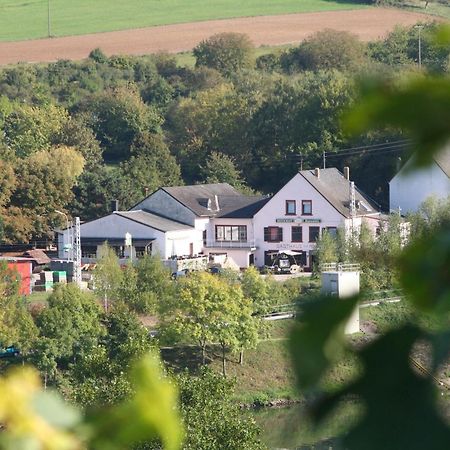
(225, 52)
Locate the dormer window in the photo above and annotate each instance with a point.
(290, 208)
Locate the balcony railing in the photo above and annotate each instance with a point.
(230, 244)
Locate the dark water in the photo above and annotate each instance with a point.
(288, 428)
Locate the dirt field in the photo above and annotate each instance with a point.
(368, 24)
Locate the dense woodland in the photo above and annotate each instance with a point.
(76, 135)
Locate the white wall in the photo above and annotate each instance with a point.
(409, 190)
(162, 203)
(297, 189)
(178, 243)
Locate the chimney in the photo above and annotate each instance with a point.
(114, 205)
(216, 199)
(317, 172)
(347, 173)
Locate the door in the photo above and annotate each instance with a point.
(251, 259)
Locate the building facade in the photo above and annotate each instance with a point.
(217, 221)
(410, 188)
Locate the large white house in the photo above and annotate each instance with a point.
(312, 201)
(218, 221)
(409, 188)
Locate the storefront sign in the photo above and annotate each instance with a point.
(289, 246)
(297, 220)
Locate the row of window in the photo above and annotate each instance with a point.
(275, 234)
(238, 233)
(90, 251)
(291, 208)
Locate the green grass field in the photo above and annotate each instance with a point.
(29, 19)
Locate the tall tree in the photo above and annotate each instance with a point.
(107, 275)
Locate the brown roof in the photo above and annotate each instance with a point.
(335, 188)
(38, 255)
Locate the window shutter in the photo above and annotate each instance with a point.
(266, 234)
(280, 233)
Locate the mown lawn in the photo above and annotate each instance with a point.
(29, 20)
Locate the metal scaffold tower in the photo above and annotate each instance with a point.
(77, 253)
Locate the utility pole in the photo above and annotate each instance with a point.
(324, 159)
(48, 19)
(419, 27)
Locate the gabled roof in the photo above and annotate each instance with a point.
(443, 160)
(153, 220)
(335, 188)
(242, 207)
(38, 255)
(216, 200)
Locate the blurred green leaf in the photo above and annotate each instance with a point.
(419, 106)
(443, 36)
(318, 338)
(391, 392)
(425, 272)
(52, 408)
(151, 413)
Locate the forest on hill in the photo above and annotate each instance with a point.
(75, 135)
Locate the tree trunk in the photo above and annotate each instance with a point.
(241, 357)
(203, 353)
(45, 381)
(105, 302)
(224, 364)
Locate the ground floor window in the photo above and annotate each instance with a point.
(142, 251)
(119, 250)
(332, 231)
(89, 251)
(231, 233)
(314, 233)
(297, 234)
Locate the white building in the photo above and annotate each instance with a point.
(409, 188)
(218, 221)
(312, 201)
(150, 234)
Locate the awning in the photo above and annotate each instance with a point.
(290, 252)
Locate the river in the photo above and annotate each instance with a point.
(288, 428)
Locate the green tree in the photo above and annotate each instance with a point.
(150, 167)
(29, 129)
(71, 321)
(220, 168)
(326, 250)
(107, 275)
(327, 49)
(225, 52)
(211, 416)
(117, 117)
(101, 377)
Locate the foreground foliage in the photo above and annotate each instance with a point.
(388, 382)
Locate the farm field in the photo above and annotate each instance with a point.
(368, 24)
(29, 20)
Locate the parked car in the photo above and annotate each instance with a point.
(9, 352)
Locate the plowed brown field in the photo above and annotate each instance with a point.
(368, 24)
